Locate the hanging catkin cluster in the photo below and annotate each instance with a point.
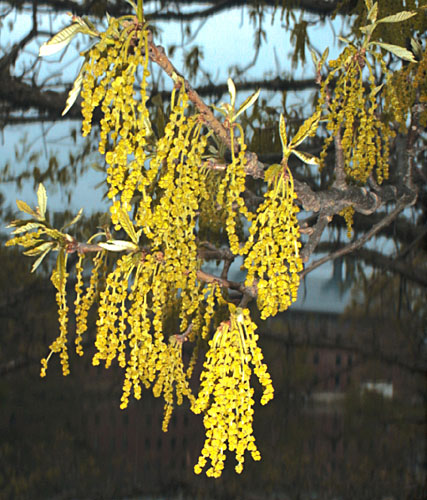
(153, 297)
(226, 395)
(109, 82)
(351, 112)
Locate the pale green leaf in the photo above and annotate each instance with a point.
(373, 13)
(231, 91)
(368, 29)
(306, 157)
(60, 40)
(416, 47)
(282, 132)
(323, 58)
(247, 103)
(308, 128)
(314, 57)
(72, 222)
(344, 40)
(399, 17)
(375, 90)
(37, 250)
(23, 207)
(118, 245)
(59, 273)
(369, 4)
(40, 259)
(74, 92)
(26, 227)
(42, 201)
(397, 51)
(127, 225)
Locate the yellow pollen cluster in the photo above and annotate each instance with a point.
(226, 395)
(83, 303)
(59, 280)
(348, 214)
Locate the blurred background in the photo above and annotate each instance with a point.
(348, 360)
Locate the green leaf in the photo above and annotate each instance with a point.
(32, 252)
(314, 57)
(307, 128)
(118, 245)
(368, 29)
(323, 58)
(72, 222)
(42, 201)
(232, 92)
(396, 50)
(59, 273)
(74, 92)
(26, 227)
(306, 157)
(23, 207)
(127, 225)
(399, 17)
(373, 13)
(282, 133)
(344, 39)
(368, 4)
(247, 103)
(40, 259)
(376, 89)
(60, 40)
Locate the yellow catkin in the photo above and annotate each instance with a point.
(226, 395)
(272, 249)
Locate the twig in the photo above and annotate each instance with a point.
(402, 204)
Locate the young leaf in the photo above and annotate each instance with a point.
(38, 261)
(247, 103)
(60, 40)
(118, 245)
(282, 133)
(26, 227)
(314, 57)
(397, 51)
(231, 91)
(71, 223)
(74, 92)
(306, 157)
(373, 12)
(42, 201)
(39, 249)
(323, 58)
(397, 18)
(306, 129)
(368, 29)
(127, 225)
(61, 269)
(23, 207)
